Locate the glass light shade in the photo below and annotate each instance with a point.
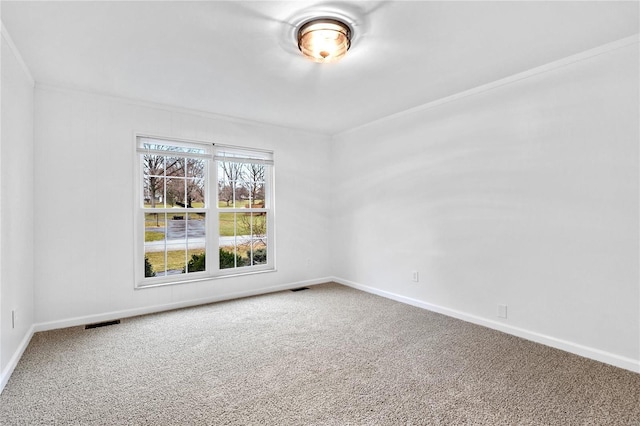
(324, 40)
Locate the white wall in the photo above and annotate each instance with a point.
(525, 194)
(16, 207)
(84, 177)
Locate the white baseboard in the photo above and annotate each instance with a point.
(13, 362)
(109, 316)
(574, 348)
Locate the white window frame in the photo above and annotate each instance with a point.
(212, 153)
(247, 155)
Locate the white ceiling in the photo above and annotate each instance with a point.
(239, 58)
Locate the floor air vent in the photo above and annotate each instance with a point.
(300, 289)
(101, 324)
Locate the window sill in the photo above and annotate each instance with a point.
(169, 281)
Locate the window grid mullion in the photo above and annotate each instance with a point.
(166, 232)
(164, 181)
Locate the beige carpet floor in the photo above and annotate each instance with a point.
(329, 355)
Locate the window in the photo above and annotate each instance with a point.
(204, 210)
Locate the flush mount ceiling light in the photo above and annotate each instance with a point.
(324, 39)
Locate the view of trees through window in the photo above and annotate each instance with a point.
(177, 204)
(174, 187)
(242, 214)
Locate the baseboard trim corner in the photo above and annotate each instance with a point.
(5, 375)
(567, 346)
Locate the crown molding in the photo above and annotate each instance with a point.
(560, 63)
(14, 49)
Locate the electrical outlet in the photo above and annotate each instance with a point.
(414, 276)
(13, 319)
(502, 311)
